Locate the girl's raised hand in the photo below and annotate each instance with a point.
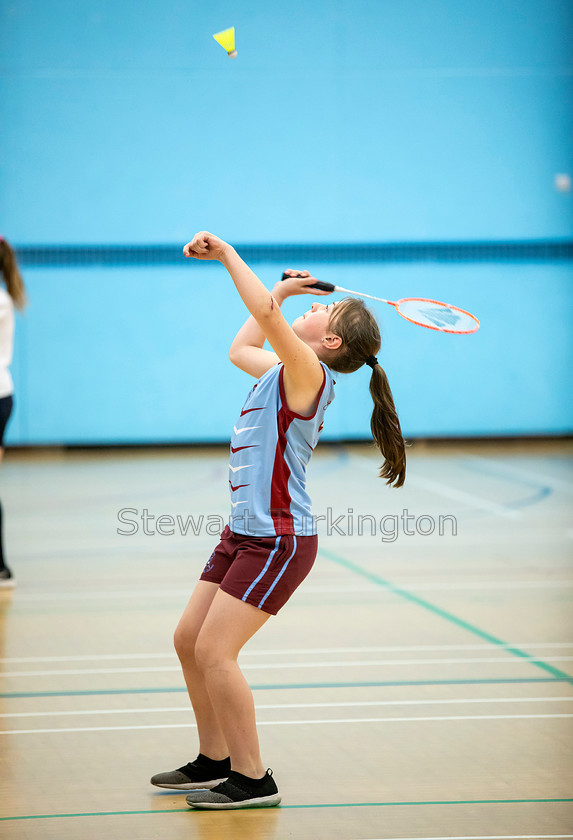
(298, 285)
(206, 246)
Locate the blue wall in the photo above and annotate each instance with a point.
(136, 355)
(402, 120)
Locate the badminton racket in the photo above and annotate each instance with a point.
(432, 314)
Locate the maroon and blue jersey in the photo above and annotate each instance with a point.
(270, 448)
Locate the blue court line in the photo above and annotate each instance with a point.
(541, 491)
(293, 807)
(528, 501)
(341, 460)
(287, 686)
(453, 619)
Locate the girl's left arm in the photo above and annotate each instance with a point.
(247, 350)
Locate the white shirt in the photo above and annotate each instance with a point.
(6, 342)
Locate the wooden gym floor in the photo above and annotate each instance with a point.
(418, 685)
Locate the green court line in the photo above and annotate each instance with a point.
(434, 802)
(454, 619)
(284, 807)
(286, 686)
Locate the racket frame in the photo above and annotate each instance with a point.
(330, 287)
(440, 303)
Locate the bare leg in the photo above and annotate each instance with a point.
(211, 738)
(228, 625)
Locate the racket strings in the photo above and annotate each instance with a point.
(437, 315)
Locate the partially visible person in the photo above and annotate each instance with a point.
(12, 295)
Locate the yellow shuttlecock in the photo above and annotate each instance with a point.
(227, 40)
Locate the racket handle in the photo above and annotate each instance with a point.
(320, 285)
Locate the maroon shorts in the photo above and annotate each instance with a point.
(263, 571)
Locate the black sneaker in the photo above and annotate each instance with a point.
(238, 792)
(6, 578)
(203, 773)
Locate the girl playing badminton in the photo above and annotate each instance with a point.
(272, 542)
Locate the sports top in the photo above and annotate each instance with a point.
(270, 448)
(6, 342)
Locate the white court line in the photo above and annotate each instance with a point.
(42, 597)
(466, 498)
(292, 651)
(540, 480)
(26, 597)
(337, 721)
(352, 703)
(490, 837)
(440, 489)
(267, 666)
(445, 587)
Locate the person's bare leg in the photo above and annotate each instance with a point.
(211, 738)
(228, 625)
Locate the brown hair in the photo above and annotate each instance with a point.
(356, 325)
(11, 274)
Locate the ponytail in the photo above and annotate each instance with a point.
(353, 322)
(385, 427)
(11, 274)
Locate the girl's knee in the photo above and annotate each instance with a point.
(184, 643)
(203, 653)
(208, 654)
